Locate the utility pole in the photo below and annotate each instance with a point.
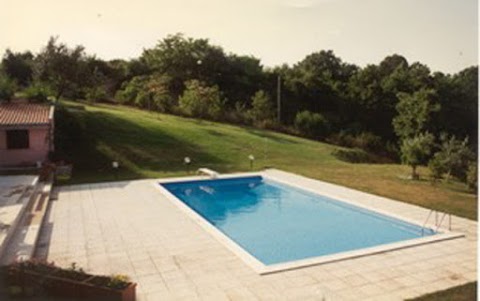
(279, 100)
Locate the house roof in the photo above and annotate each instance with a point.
(15, 114)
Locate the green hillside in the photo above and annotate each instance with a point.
(150, 145)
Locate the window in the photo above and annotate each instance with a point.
(17, 139)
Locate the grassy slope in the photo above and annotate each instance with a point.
(154, 145)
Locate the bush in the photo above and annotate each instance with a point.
(313, 125)
(129, 90)
(416, 150)
(98, 93)
(365, 140)
(238, 114)
(7, 88)
(163, 102)
(472, 176)
(369, 142)
(143, 99)
(453, 157)
(37, 92)
(262, 111)
(437, 168)
(356, 155)
(199, 100)
(69, 134)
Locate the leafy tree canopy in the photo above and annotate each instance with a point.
(415, 150)
(18, 66)
(61, 67)
(201, 100)
(414, 113)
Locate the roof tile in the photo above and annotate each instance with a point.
(12, 114)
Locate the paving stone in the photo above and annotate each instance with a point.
(131, 227)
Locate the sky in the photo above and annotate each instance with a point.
(443, 34)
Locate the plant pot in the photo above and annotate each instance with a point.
(59, 283)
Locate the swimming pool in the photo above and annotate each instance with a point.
(277, 223)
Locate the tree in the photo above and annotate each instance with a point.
(391, 63)
(200, 100)
(130, 89)
(414, 112)
(36, 92)
(373, 96)
(242, 77)
(453, 157)
(415, 150)
(158, 86)
(7, 88)
(18, 66)
(262, 108)
(62, 68)
(122, 71)
(458, 96)
(311, 124)
(184, 59)
(318, 83)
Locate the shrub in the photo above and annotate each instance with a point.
(262, 110)
(437, 168)
(454, 157)
(129, 90)
(96, 93)
(70, 132)
(163, 102)
(143, 99)
(238, 114)
(356, 155)
(416, 150)
(118, 281)
(37, 92)
(311, 124)
(199, 100)
(369, 142)
(472, 176)
(7, 88)
(341, 138)
(365, 140)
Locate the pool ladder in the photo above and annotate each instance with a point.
(438, 222)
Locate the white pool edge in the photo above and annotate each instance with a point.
(263, 269)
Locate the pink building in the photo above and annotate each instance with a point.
(26, 133)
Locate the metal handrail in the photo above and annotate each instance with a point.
(441, 221)
(426, 221)
(438, 223)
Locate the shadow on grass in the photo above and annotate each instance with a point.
(270, 136)
(91, 140)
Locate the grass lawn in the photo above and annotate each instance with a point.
(467, 292)
(149, 145)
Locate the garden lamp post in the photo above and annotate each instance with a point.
(115, 166)
(187, 163)
(251, 158)
(199, 64)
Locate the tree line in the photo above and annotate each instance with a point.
(395, 109)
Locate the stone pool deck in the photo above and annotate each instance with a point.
(131, 228)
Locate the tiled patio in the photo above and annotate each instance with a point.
(131, 228)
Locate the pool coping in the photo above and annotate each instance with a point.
(263, 269)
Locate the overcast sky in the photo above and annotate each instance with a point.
(440, 33)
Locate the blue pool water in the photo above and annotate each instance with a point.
(277, 223)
